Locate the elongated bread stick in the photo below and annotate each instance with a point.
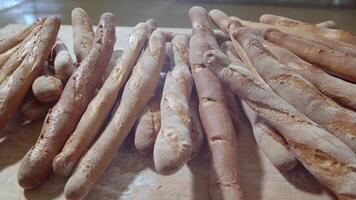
(173, 146)
(20, 54)
(338, 63)
(297, 91)
(268, 139)
(336, 34)
(97, 111)
(326, 157)
(83, 34)
(214, 113)
(225, 23)
(13, 39)
(61, 121)
(14, 88)
(337, 89)
(138, 89)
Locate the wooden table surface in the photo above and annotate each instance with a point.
(132, 176)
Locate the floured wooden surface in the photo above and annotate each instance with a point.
(131, 176)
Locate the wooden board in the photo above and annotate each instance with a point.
(132, 176)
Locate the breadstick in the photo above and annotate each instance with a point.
(83, 34)
(61, 121)
(149, 123)
(98, 110)
(332, 44)
(270, 141)
(63, 63)
(137, 91)
(297, 91)
(340, 35)
(325, 156)
(338, 63)
(267, 138)
(214, 113)
(6, 55)
(13, 39)
(14, 88)
(337, 89)
(327, 24)
(173, 146)
(47, 88)
(19, 55)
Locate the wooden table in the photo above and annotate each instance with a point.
(132, 176)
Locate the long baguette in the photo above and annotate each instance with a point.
(61, 121)
(338, 63)
(325, 156)
(297, 91)
(268, 139)
(14, 88)
(13, 39)
(14, 61)
(97, 111)
(336, 34)
(214, 113)
(137, 91)
(173, 146)
(83, 34)
(337, 89)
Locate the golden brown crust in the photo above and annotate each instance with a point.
(214, 114)
(62, 119)
(138, 89)
(14, 88)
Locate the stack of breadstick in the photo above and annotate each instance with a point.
(294, 81)
(297, 83)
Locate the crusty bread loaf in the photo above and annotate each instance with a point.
(297, 91)
(326, 157)
(214, 113)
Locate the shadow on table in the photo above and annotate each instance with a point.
(17, 140)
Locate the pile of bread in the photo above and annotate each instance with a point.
(295, 82)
